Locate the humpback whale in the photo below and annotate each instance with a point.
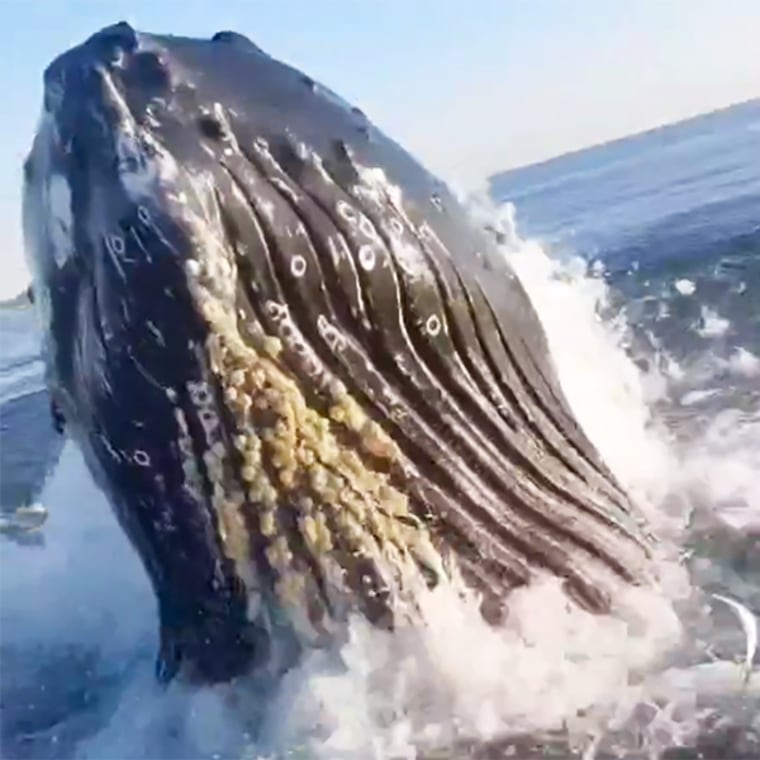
(308, 383)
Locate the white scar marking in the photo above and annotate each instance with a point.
(143, 215)
(141, 245)
(284, 188)
(367, 258)
(267, 207)
(307, 154)
(367, 228)
(111, 246)
(141, 458)
(192, 482)
(142, 370)
(156, 332)
(59, 209)
(143, 163)
(109, 448)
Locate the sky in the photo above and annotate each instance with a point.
(471, 87)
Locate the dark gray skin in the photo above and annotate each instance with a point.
(493, 463)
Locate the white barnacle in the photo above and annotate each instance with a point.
(347, 212)
(433, 325)
(330, 334)
(298, 266)
(209, 420)
(287, 330)
(143, 215)
(299, 346)
(367, 258)
(312, 368)
(277, 311)
(200, 394)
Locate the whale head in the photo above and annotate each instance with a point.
(306, 382)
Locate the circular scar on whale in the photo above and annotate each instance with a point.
(309, 385)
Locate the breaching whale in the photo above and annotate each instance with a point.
(309, 385)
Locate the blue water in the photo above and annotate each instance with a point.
(667, 198)
(679, 202)
(668, 220)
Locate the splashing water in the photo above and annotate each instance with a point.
(649, 678)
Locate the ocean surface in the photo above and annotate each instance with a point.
(643, 259)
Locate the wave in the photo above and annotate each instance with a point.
(20, 378)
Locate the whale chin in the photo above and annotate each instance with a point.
(307, 383)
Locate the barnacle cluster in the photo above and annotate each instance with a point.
(292, 491)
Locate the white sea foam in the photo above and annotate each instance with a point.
(711, 324)
(685, 287)
(382, 695)
(21, 380)
(744, 363)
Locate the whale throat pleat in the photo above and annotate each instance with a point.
(404, 359)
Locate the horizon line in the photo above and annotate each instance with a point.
(622, 138)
